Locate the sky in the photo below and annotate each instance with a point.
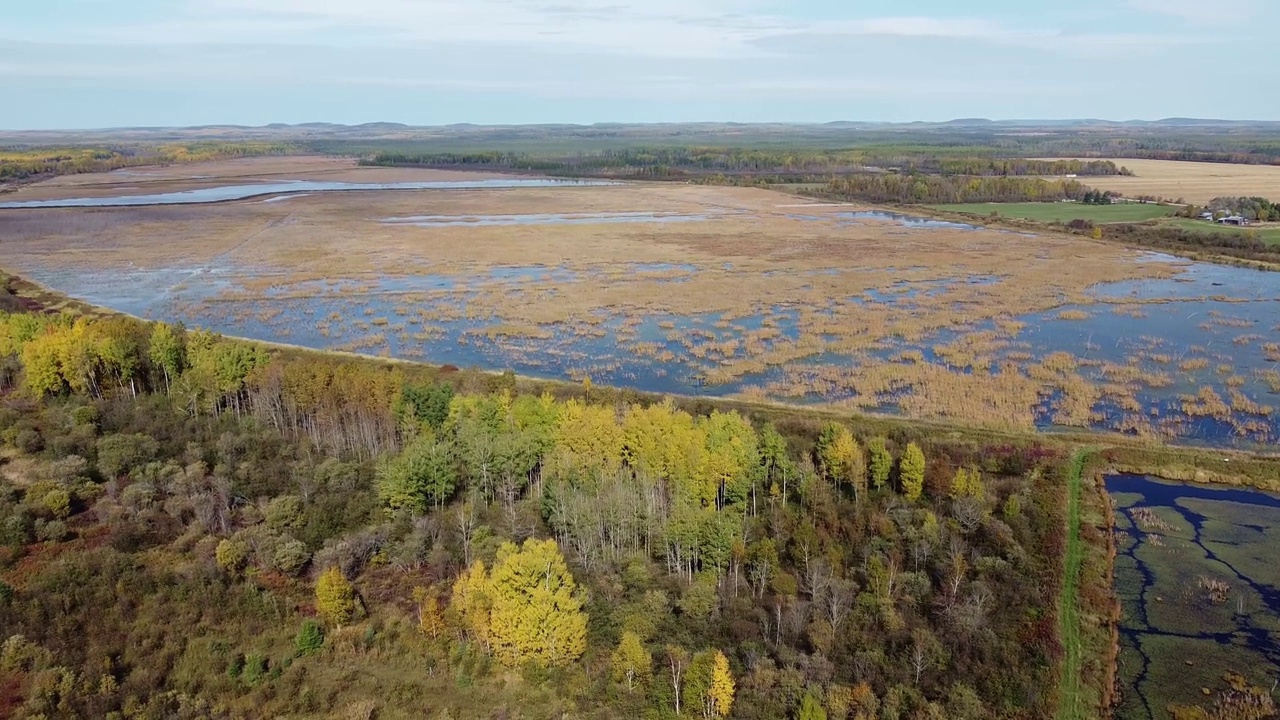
(115, 63)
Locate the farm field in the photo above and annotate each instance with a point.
(1267, 233)
(1065, 212)
(698, 290)
(1194, 182)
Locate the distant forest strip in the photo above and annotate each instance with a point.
(935, 189)
(26, 163)
(680, 162)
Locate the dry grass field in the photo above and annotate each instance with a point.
(1194, 182)
(246, 171)
(747, 290)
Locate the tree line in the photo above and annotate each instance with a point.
(794, 164)
(934, 189)
(25, 163)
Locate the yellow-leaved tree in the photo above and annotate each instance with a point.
(967, 483)
(471, 603)
(911, 469)
(335, 598)
(430, 617)
(587, 439)
(722, 687)
(842, 459)
(709, 685)
(632, 663)
(535, 612)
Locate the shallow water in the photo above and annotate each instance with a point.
(292, 187)
(1155, 345)
(1175, 639)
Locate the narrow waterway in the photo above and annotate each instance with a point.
(1199, 588)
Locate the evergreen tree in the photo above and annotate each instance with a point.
(880, 461)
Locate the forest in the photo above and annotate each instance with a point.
(936, 189)
(791, 164)
(197, 526)
(18, 163)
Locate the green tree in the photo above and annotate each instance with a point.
(967, 484)
(810, 708)
(168, 351)
(423, 476)
(118, 454)
(536, 613)
(57, 502)
(911, 470)
(881, 462)
(632, 663)
(335, 598)
(778, 466)
(310, 638)
(428, 404)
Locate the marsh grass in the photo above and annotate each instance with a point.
(858, 316)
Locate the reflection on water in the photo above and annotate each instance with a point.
(291, 187)
(1199, 590)
(1193, 357)
(911, 221)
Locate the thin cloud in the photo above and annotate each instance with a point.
(1217, 12)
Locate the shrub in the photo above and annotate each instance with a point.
(284, 513)
(118, 454)
(28, 441)
(232, 556)
(290, 557)
(85, 415)
(310, 638)
(51, 530)
(57, 502)
(255, 668)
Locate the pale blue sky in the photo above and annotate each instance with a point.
(108, 63)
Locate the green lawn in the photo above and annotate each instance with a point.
(1268, 235)
(1065, 212)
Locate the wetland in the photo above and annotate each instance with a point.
(1199, 590)
(689, 289)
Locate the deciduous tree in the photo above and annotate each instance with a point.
(335, 598)
(536, 612)
(911, 469)
(632, 663)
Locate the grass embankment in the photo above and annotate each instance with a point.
(1065, 212)
(1073, 704)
